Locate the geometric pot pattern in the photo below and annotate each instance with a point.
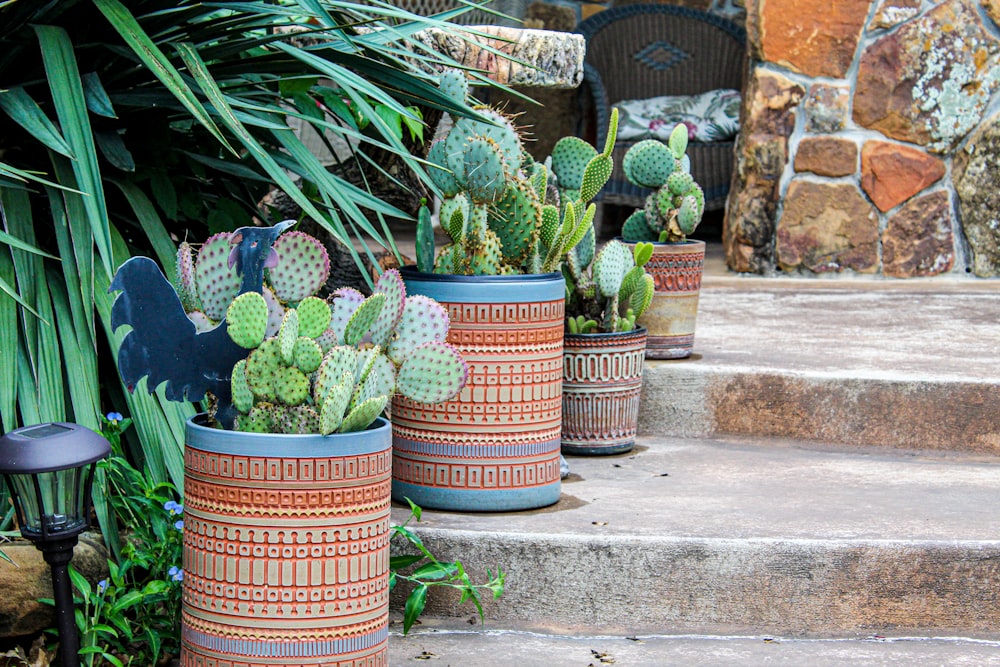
(602, 382)
(676, 269)
(495, 446)
(286, 548)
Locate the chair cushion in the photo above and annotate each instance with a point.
(710, 116)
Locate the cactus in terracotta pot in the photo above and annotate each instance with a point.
(677, 203)
(607, 292)
(506, 213)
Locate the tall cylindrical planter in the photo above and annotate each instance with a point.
(677, 269)
(495, 447)
(602, 382)
(286, 548)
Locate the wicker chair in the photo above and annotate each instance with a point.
(642, 51)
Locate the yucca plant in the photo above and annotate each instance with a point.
(127, 127)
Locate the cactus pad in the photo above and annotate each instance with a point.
(345, 301)
(483, 168)
(648, 163)
(432, 373)
(338, 361)
(363, 414)
(218, 283)
(288, 334)
(596, 176)
(678, 140)
(390, 284)
(454, 85)
(314, 317)
(307, 355)
(514, 219)
(246, 320)
(502, 132)
(262, 366)
(302, 268)
(363, 318)
(334, 404)
(187, 287)
(450, 208)
(275, 311)
(259, 420)
(242, 394)
(423, 320)
(689, 214)
(440, 171)
(296, 419)
(291, 386)
(570, 157)
(680, 182)
(610, 267)
(635, 228)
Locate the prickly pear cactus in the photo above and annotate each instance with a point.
(610, 292)
(496, 204)
(676, 205)
(333, 366)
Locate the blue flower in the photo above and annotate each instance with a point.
(175, 573)
(114, 417)
(179, 525)
(173, 507)
(102, 585)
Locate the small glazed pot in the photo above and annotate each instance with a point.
(602, 382)
(677, 270)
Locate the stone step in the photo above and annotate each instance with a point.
(893, 364)
(744, 536)
(447, 642)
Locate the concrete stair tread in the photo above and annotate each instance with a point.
(439, 641)
(868, 363)
(851, 331)
(774, 490)
(736, 536)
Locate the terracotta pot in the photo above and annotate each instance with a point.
(286, 548)
(677, 270)
(602, 381)
(495, 447)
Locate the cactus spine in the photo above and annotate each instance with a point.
(677, 203)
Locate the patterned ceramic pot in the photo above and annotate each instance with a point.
(602, 381)
(495, 447)
(677, 269)
(286, 548)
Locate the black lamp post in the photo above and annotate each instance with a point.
(49, 470)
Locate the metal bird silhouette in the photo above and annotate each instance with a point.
(164, 345)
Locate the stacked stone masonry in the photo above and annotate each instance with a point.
(870, 139)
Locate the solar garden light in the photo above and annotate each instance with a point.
(49, 470)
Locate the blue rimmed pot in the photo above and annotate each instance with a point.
(677, 270)
(286, 548)
(496, 446)
(602, 384)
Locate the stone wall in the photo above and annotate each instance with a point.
(870, 139)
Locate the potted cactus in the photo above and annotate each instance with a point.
(671, 212)
(604, 348)
(287, 477)
(511, 220)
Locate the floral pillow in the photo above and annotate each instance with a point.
(711, 116)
